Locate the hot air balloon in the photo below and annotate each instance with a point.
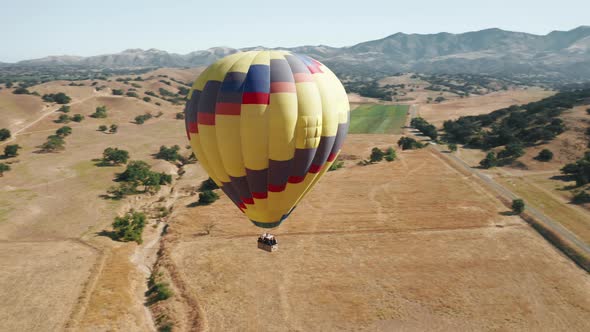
(265, 126)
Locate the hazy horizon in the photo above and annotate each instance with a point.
(72, 28)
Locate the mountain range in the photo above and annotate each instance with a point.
(563, 54)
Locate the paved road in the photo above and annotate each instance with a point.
(495, 186)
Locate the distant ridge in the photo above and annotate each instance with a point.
(491, 51)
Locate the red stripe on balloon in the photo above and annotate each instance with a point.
(296, 179)
(315, 168)
(247, 200)
(276, 188)
(332, 156)
(255, 98)
(192, 127)
(282, 87)
(228, 108)
(260, 195)
(206, 118)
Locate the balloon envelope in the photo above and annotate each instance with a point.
(266, 125)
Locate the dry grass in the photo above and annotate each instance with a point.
(411, 244)
(475, 105)
(48, 198)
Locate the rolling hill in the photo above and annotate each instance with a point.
(559, 54)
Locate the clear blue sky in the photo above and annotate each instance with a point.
(36, 28)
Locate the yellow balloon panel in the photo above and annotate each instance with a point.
(266, 125)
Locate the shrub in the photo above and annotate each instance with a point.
(11, 150)
(180, 116)
(207, 197)
(452, 147)
(141, 119)
(208, 185)
(102, 128)
(4, 134)
(489, 161)
(376, 155)
(64, 131)
(581, 197)
(63, 118)
(159, 291)
(64, 109)
(390, 154)
(544, 155)
(53, 143)
(337, 164)
(147, 99)
(183, 90)
(4, 168)
(118, 92)
(169, 153)
(580, 170)
(100, 113)
(77, 118)
(113, 129)
(114, 156)
(425, 127)
(129, 227)
(518, 206)
(132, 94)
(60, 98)
(21, 91)
(408, 143)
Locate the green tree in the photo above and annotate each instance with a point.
(489, 161)
(53, 143)
(4, 168)
(141, 119)
(207, 197)
(64, 131)
(100, 113)
(77, 117)
(408, 143)
(169, 153)
(147, 99)
(376, 155)
(518, 206)
(180, 116)
(390, 154)
(581, 197)
(208, 184)
(4, 134)
(63, 118)
(60, 98)
(102, 128)
(545, 155)
(21, 91)
(452, 147)
(118, 92)
(11, 150)
(113, 129)
(129, 227)
(114, 156)
(64, 109)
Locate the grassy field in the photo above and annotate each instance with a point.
(378, 119)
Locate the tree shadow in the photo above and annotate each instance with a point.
(565, 178)
(110, 234)
(508, 213)
(194, 204)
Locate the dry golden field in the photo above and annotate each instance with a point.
(408, 245)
